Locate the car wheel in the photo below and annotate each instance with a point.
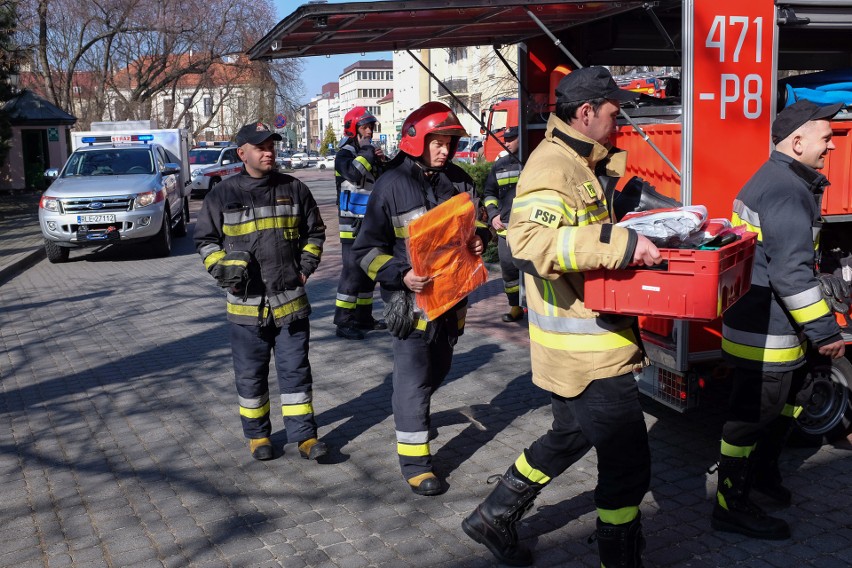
(162, 241)
(213, 183)
(827, 415)
(55, 253)
(180, 226)
(322, 166)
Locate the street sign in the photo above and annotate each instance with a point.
(280, 121)
(383, 138)
(53, 135)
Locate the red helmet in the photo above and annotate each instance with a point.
(431, 118)
(358, 116)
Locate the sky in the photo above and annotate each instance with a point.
(317, 71)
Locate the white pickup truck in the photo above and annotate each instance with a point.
(118, 186)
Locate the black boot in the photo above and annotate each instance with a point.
(766, 476)
(734, 512)
(493, 522)
(621, 546)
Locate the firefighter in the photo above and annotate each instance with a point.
(356, 168)
(782, 324)
(499, 192)
(260, 235)
(420, 177)
(559, 228)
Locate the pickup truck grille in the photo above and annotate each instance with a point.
(84, 204)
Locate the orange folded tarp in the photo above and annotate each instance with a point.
(437, 247)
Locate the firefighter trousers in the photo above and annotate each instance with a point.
(606, 416)
(419, 368)
(758, 401)
(511, 274)
(353, 306)
(252, 347)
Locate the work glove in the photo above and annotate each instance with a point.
(835, 290)
(232, 271)
(399, 314)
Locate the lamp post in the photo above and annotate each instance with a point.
(14, 81)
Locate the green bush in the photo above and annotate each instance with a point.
(478, 171)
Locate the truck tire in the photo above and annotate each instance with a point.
(162, 241)
(180, 226)
(827, 415)
(55, 253)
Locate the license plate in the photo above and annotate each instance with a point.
(81, 219)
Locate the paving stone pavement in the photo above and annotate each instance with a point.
(120, 443)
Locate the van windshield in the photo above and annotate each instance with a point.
(110, 162)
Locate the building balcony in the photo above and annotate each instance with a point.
(458, 85)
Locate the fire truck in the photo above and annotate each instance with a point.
(730, 55)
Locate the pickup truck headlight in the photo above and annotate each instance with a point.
(49, 203)
(148, 198)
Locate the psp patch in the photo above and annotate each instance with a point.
(590, 189)
(545, 217)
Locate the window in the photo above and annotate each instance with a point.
(168, 108)
(241, 105)
(208, 106)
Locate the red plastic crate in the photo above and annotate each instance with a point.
(690, 284)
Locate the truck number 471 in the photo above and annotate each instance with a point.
(732, 86)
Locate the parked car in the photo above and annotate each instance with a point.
(299, 160)
(326, 161)
(469, 153)
(210, 165)
(284, 159)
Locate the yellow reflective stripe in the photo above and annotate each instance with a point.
(313, 249)
(565, 249)
(261, 225)
(732, 451)
(255, 412)
(789, 410)
(511, 289)
(365, 301)
(507, 180)
(213, 258)
(575, 342)
(460, 323)
(421, 324)
(241, 310)
(548, 296)
(736, 221)
(530, 201)
(591, 215)
(400, 232)
(347, 235)
(491, 201)
(297, 409)
(751, 353)
(290, 307)
(528, 471)
(413, 450)
(618, 516)
(810, 313)
(377, 265)
(344, 304)
(364, 162)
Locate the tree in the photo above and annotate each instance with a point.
(328, 140)
(129, 57)
(8, 65)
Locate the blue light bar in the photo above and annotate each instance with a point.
(88, 139)
(145, 137)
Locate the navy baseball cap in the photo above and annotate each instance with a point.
(591, 83)
(510, 133)
(792, 117)
(256, 133)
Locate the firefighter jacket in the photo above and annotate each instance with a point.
(559, 228)
(770, 326)
(277, 221)
(499, 189)
(402, 194)
(355, 173)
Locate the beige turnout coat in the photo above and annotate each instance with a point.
(559, 228)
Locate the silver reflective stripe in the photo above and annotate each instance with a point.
(350, 148)
(369, 258)
(746, 214)
(761, 340)
(585, 326)
(412, 437)
(254, 402)
(400, 221)
(508, 174)
(352, 188)
(816, 231)
(287, 296)
(296, 398)
(246, 215)
(347, 298)
(249, 301)
(803, 299)
(207, 250)
(362, 295)
(349, 222)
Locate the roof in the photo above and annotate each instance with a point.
(356, 27)
(27, 108)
